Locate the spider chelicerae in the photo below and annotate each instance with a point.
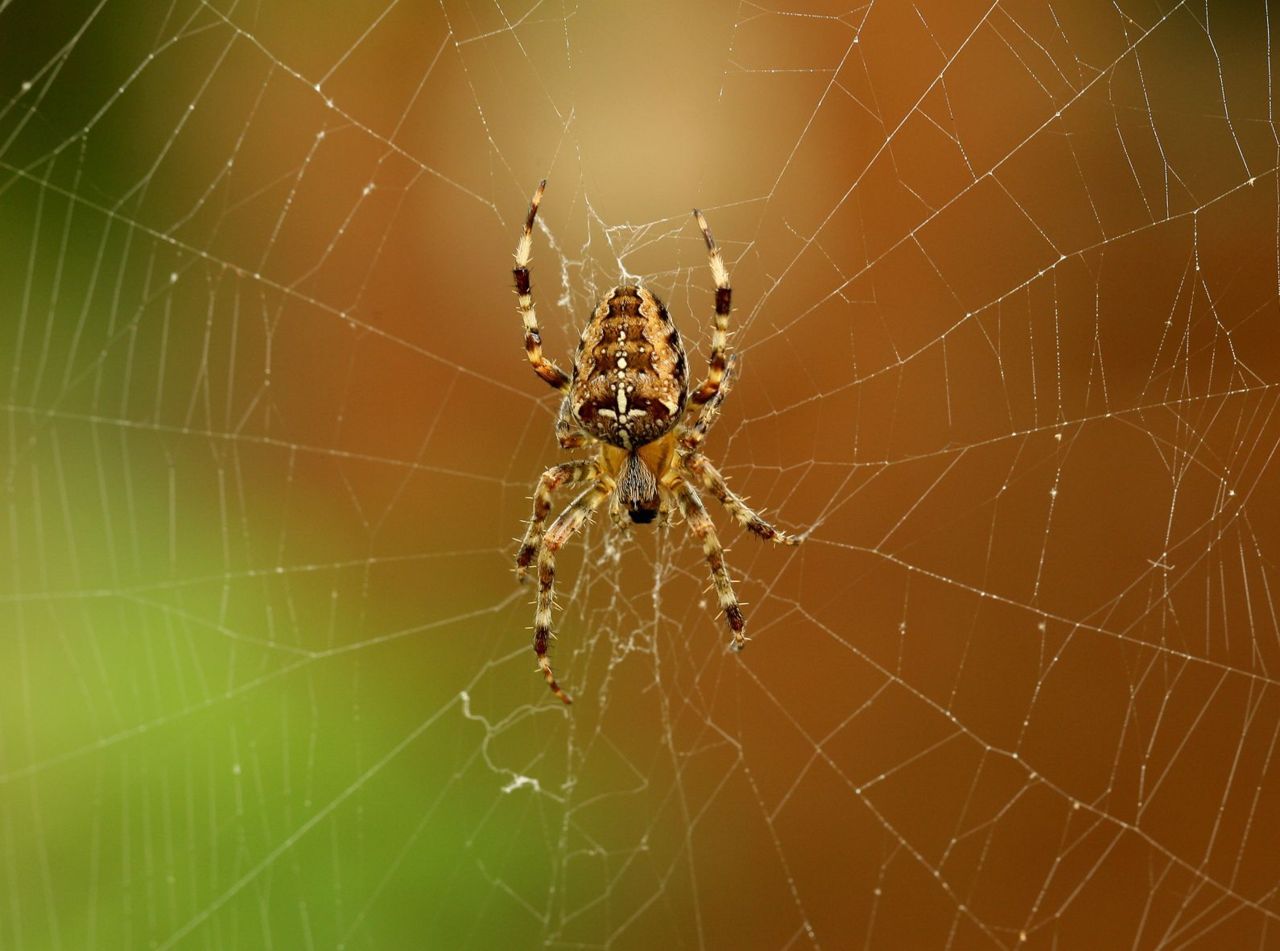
(627, 396)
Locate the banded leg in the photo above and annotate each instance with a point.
(532, 337)
(568, 431)
(742, 513)
(567, 473)
(702, 526)
(720, 332)
(693, 435)
(561, 530)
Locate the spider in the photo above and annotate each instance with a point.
(627, 396)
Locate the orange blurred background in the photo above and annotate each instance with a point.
(1005, 285)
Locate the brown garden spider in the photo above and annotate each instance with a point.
(627, 395)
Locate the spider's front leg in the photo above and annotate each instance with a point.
(701, 468)
(700, 522)
(561, 530)
(567, 473)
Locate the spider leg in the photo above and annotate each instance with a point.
(692, 436)
(561, 530)
(567, 473)
(532, 337)
(720, 332)
(700, 523)
(711, 479)
(568, 431)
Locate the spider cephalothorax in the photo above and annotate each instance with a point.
(627, 396)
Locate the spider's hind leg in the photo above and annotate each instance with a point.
(692, 435)
(568, 431)
(524, 296)
(720, 330)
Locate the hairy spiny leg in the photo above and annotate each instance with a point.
(742, 513)
(567, 473)
(561, 530)
(720, 330)
(524, 296)
(700, 523)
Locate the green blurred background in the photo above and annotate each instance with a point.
(1005, 288)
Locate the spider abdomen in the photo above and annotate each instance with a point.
(628, 386)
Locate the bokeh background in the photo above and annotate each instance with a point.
(1006, 281)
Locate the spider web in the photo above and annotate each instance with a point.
(1006, 280)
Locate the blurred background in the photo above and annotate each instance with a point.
(1005, 284)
